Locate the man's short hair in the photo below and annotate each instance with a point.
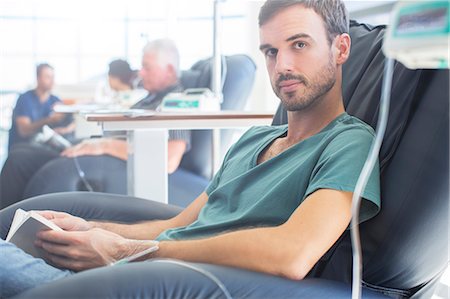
(42, 66)
(333, 13)
(167, 52)
(121, 69)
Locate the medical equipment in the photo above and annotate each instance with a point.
(193, 99)
(418, 37)
(419, 34)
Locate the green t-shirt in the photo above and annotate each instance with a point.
(244, 194)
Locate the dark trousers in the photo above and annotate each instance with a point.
(23, 161)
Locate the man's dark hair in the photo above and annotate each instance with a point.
(42, 66)
(121, 69)
(333, 13)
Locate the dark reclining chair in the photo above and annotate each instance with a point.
(405, 247)
(108, 174)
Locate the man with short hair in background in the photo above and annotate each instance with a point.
(34, 109)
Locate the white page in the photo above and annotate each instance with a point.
(19, 217)
(28, 225)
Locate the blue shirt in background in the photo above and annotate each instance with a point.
(29, 105)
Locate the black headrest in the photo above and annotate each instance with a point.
(238, 73)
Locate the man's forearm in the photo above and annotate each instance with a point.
(31, 128)
(289, 250)
(261, 249)
(147, 230)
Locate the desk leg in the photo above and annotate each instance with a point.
(147, 164)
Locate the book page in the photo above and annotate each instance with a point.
(25, 236)
(19, 217)
(24, 228)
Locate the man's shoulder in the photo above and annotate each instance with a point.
(264, 130)
(25, 99)
(351, 125)
(27, 95)
(350, 131)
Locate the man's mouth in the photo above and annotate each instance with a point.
(289, 86)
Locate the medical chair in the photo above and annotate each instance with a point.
(108, 174)
(405, 247)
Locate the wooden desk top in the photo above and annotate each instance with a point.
(165, 116)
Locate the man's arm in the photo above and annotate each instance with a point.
(149, 230)
(84, 245)
(289, 250)
(66, 130)
(27, 128)
(176, 149)
(140, 231)
(119, 149)
(96, 147)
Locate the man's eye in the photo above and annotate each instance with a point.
(300, 45)
(271, 52)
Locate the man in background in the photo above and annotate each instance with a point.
(34, 109)
(160, 75)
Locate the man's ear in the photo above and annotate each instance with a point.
(343, 44)
(171, 70)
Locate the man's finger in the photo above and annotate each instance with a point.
(60, 237)
(55, 249)
(51, 214)
(67, 263)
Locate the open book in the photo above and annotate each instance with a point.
(26, 225)
(23, 230)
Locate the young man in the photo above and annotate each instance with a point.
(283, 194)
(34, 109)
(160, 75)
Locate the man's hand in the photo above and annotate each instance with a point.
(90, 147)
(66, 221)
(88, 249)
(65, 130)
(55, 117)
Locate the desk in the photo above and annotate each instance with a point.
(147, 142)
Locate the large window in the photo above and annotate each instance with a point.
(79, 38)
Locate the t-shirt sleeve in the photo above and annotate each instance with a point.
(22, 107)
(184, 135)
(339, 168)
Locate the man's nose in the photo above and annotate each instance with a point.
(284, 63)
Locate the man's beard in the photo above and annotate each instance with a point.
(312, 92)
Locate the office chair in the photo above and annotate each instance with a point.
(108, 174)
(405, 247)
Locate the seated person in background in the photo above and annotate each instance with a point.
(123, 81)
(283, 194)
(160, 75)
(34, 109)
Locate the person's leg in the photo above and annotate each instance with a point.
(174, 279)
(22, 163)
(20, 271)
(90, 205)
